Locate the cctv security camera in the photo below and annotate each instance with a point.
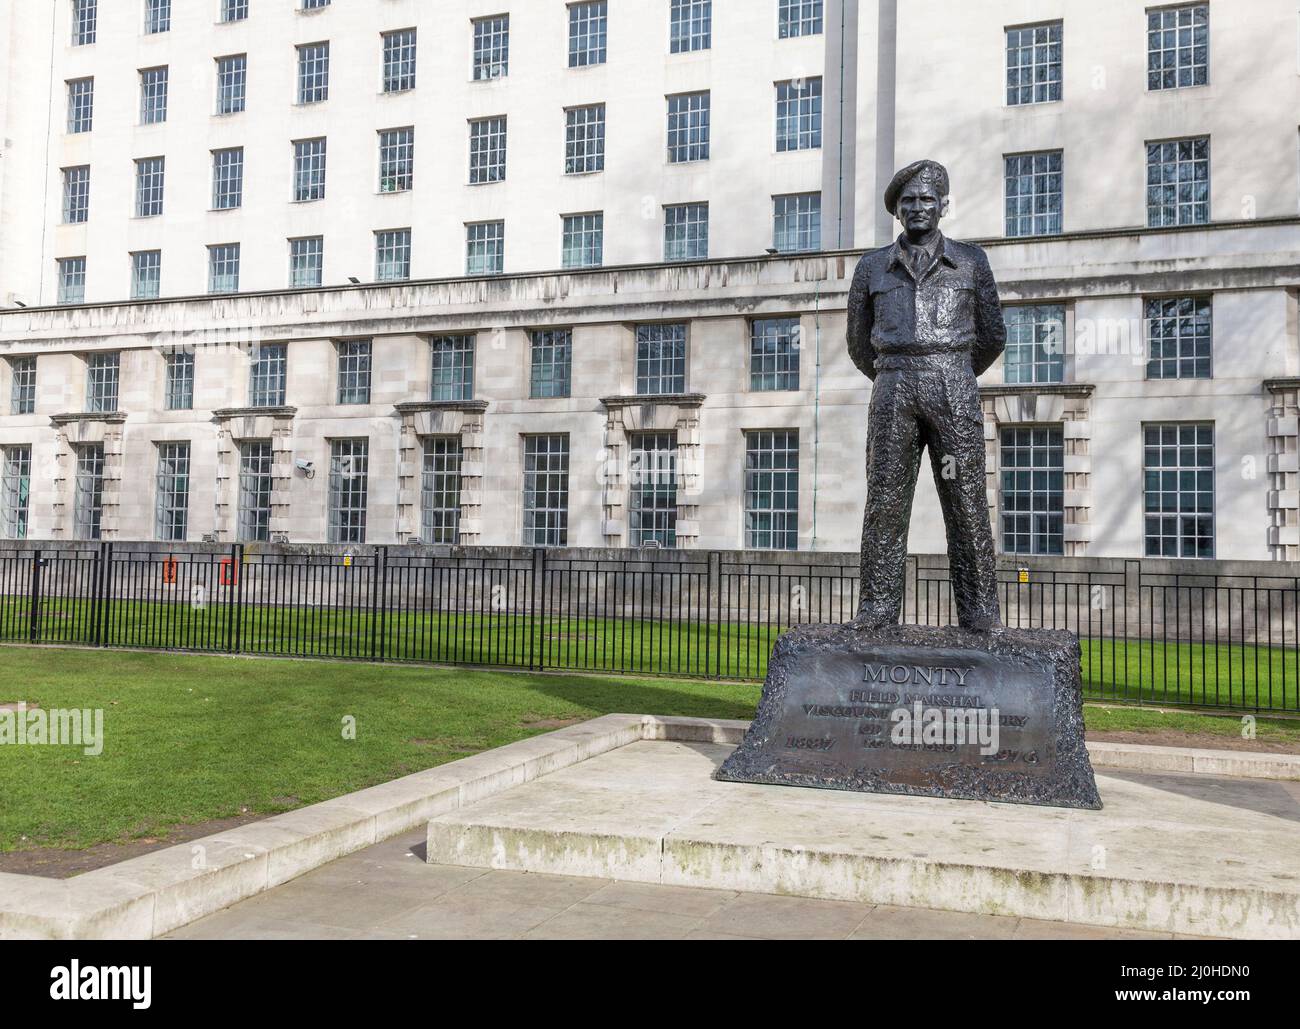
(308, 468)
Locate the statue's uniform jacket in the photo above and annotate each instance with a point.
(922, 340)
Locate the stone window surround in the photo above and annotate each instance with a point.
(626, 415)
(1067, 404)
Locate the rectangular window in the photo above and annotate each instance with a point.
(1178, 460)
(232, 83)
(227, 179)
(487, 150)
(584, 240)
(309, 170)
(1178, 47)
(76, 195)
(85, 21)
(686, 232)
(267, 375)
(452, 373)
(797, 223)
(399, 61)
(396, 160)
(349, 472)
(799, 18)
(546, 491)
(688, 127)
(491, 47)
(440, 490)
(584, 139)
(15, 491)
(173, 500)
(153, 96)
(313, 73)
(223, 268)
(102, 376)
(1033, 490)
(180, 380)
(799, 115)
(772, 490)
(1178, 182)
(306, 261)
(157, 16)
(774, 354)
(485, 248)
(354, 371)
(588, 27)
(652, 492)
(150, 178)
(72, 280)
(1035, 350)
(22, 393)
(146, 275)
(691, 25)
(81, 105)
(1034, 194)
(1034, 64)
(1180, 338)
(392, 255)
(234, 10)
(88, 504)
(660, 359)
(255, 490)
(552, 360)
(314, 5)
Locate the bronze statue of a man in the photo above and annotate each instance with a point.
(924, 321)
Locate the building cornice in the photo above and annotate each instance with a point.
(71, 417)
(655, 399)
(1049, 389)
(254, 412)
(1282, 385)
(421, 406)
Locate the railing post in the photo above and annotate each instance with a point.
(536, 609)
(97, 598)
(231, 595)
(713, 603)
(237, 569)
(378, 574)
(34, 613)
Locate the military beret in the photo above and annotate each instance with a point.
(931, 170)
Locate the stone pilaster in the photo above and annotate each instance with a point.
(678, 413)
(1283, 434)
(420, 419)
(237, 425)
(1068, 405)
(86, 429)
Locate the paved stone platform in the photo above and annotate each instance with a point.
(388, 892)
(1169, 853)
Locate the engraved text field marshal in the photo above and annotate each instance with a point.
(923, 321)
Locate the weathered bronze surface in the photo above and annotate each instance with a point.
(835, 695)
(924, 320)
(997, 713)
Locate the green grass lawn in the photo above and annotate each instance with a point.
(191, 738)
(1228, 675)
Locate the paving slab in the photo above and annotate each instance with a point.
(1168, 853)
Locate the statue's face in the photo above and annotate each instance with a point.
(920, 206)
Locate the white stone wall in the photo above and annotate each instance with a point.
(1106, 401)
(738, 181)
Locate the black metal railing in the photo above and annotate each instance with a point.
(1146, 635)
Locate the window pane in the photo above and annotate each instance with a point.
(1032, 495)
(774, 354)
(1179, 490)
(546, 491)
(660, 359)
(772, 490)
